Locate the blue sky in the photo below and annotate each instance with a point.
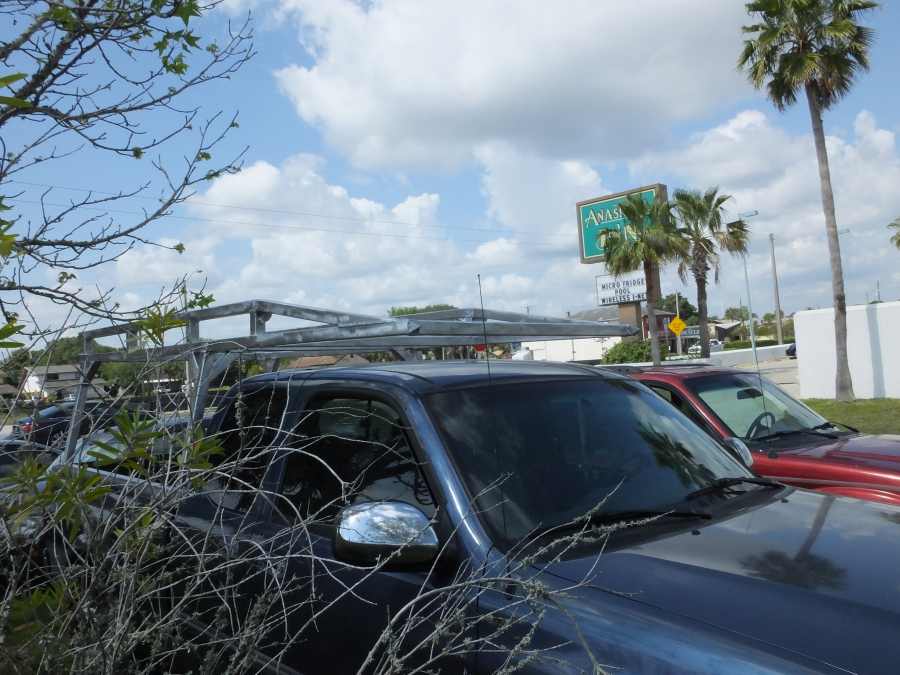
(398, 148)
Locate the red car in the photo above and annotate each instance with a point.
(789, 441)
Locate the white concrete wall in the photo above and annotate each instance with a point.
(736, 357)
(579, 349)
(873, 346)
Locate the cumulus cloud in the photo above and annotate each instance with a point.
(285, 232)
(420, 82)
(771, 171)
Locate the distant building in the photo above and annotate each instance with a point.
(53, 382)
(581, 350)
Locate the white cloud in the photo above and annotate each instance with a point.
(303, 239)
(769, 170)
(425, 82)
(155, 266)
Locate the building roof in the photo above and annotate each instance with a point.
(605, 313)
(8, 390)
(323, 361)
(48, 370)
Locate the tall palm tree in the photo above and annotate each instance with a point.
(816, 46)
(895, 238)
(707, 233)
(650, 239)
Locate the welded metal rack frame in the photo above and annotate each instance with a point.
(335, 333)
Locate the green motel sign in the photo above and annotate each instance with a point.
(597, 217)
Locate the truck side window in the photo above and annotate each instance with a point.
(253, 423)
(349, 450)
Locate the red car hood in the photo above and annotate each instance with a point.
(880, 452)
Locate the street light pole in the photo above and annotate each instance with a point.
(777, 296)
(743, 216)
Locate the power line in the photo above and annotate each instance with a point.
(547, 243)
(289, 212)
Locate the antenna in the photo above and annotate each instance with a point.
(487, 351)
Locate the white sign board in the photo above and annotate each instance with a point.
(612, 290)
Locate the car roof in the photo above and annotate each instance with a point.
(673, 370)
(426, 376)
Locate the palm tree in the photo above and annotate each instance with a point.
(648, 240)
(816, 46)
(706, 233)
(895, 238)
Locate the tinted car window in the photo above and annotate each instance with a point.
(253, 423)
(537, 455)
(348, 450)
(679, 402)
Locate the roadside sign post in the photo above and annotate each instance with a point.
(678, 316)
(598, 217)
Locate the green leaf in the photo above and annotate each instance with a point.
(190, 40)
(14, 102)
(200, 300)
(7, 80)
(186, 10)
(137, 153)
(10, 329)
(156, 322)
(7, 243)
(179, 247)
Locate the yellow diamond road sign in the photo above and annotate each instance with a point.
(676, 325)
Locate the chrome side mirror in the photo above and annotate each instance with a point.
(740, 449)
(369, 532)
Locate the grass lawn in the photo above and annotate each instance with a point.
(874, 416)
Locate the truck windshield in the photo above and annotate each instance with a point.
(752, 407)
(537, 455)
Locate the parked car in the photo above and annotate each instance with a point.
(715, 570)
(789, 441)
(714, 346)
(50, 426)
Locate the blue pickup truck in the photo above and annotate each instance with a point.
(689, 563)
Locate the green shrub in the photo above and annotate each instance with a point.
(633, 352)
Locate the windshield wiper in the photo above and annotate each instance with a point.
(833, 425)
(813, 431)
(614, 517)
(620, 516)
(722, 484)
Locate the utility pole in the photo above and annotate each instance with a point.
(777, 296)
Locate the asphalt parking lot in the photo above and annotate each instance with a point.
(782, 372)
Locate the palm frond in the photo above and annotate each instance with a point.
(795, 43)
(895, 238)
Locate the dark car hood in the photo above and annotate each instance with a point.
(815, 575)
(878, 452)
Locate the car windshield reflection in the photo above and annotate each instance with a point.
(538, 455)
